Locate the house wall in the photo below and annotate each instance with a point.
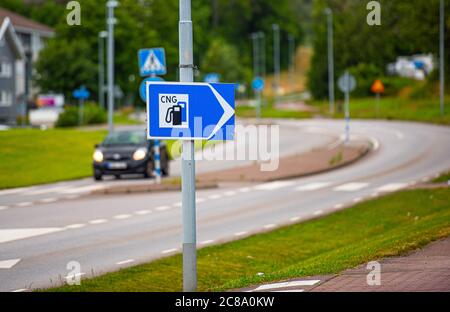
(8, 113)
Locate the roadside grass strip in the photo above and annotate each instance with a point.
(388, 226)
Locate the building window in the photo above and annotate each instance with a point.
(5, 70)
(5, 98)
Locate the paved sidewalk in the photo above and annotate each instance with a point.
(427, 269)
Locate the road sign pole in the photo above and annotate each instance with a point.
(378, 103)
(157, 155)
(80, 112)
(111, 4)
(347, 108)
(258, 104)
(329, 14)
(188, 161)
(276, 59)
(441, 54)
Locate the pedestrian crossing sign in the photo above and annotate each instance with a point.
(152, 62)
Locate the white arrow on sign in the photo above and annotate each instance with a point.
(228, 111)
(8, 264)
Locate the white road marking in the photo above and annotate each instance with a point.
(48, 200)
(312, 186)
(229, 193)
(200, 200)
(169, 251)
(125, 261)
(392, 187)
(20, 290)
(142, 212)
(71, 276)
(295, 219)
(122, 216)
(48, 190)
(24, 204)
(8, 264)
(338, 206)
(350, 187)
(207, 242)
(82, 189)
(289, 291)
(269, 226)
(177, 204)
(162, 208)
(375, 144)
(244, 189)
(3, 207)
(318, 212)
(8, 235)
(75, 226)
(241, 233)
(15, 191)
(215, 196)
(98, 221)
(287, 284)
(273, 185)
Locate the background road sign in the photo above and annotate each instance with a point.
(81, 94)
(142, 92)
(258, 84)
(212, 78)
(152, 62)
(190, 110)
(347, 85)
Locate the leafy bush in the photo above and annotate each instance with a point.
(365, 75)
(92, 114)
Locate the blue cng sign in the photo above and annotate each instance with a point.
(190, 111)
(152, 62)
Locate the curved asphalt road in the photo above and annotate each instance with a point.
(105, 233)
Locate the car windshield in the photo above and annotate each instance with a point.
(125, 138)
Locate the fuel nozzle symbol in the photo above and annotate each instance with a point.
(173, 115)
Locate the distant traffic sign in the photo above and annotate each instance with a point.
(258, 84)
(191, 111)
(142, 92)
(347, 82)
(377, 87)
(212, 78)
(152, 62)
(81, 94)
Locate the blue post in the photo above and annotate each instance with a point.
(157, 154)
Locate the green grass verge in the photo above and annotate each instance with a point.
(443, 178)
(424, 110)
(124, 119)
(270, 112)
(31, 156)
(378, 228)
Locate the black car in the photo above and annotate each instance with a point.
(128, 152)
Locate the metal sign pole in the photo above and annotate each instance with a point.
(188, 161)
(347, 107)
(329, 14)
(441, 54)
(111, 4)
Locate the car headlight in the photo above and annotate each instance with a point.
(140, 154)
(98, 156)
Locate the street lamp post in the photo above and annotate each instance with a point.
(276, 59)
(329, 14)
(291, 60)
(441, 54)
(111, 21)
(101, 67)
(262, 49)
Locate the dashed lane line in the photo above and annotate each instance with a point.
(98, 221)
(3, 207)
(318, 212)
(167, 251)
(312, 186)
(207, 242)
(75, 226)
(24, 204)
(142, 212)
(391, 187)
(295, 219)
(125, 261)
(162, 208)
(240, 233)
(269, 226)
(122, 216)
(271, 186)
(350, 187)
(48, 200)
(20, 290)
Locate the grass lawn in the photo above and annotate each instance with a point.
(424, 110)
(270, 112)
(32, 156)
(383, 227)
(443, 178)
